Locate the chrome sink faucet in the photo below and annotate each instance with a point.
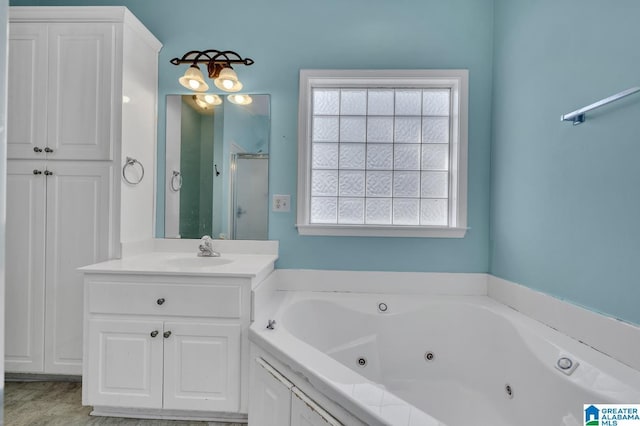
(206, 248)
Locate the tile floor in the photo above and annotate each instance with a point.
(59, 404)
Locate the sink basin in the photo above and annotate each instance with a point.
(198, 262)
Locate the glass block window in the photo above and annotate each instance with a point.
(381, 154)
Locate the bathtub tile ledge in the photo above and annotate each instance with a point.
(618, 339)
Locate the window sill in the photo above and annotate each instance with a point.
(381, 231)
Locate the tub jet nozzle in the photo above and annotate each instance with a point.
(566, 365)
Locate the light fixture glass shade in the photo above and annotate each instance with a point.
(200, 103)
(240, 99)
(194, 80)
(228, 81)
(212, 99)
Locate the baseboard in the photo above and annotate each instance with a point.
(169, 414)
(33, 377)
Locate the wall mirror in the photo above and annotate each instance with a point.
(217, 166)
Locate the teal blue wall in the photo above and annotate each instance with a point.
(566, 200)
(246, 128)
(283, 36)
(218, 225)
(196, 164)
(190, 137)
(249, 130)
(207, 160)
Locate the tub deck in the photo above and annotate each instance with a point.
(488, 361)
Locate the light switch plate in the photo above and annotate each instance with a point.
(281, 203)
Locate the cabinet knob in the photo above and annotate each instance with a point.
(47, 173)
(160, 301)
(37, 172)
(154, 333)
(36, 149)
(47, 149)
(167, 334)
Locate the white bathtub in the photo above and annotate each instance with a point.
(489, 365)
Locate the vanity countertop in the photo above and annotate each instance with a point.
(189, 264)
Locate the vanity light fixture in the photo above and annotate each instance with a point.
(219, 66)
(240, 99)
(206, 101)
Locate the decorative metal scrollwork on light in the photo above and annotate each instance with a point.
(219, 66)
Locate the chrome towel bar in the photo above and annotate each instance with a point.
(578, 116)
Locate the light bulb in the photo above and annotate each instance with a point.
(228, 81)
(212, 99)
(193, 80)
(240, 99)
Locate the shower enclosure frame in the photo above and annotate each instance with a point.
(233, 186)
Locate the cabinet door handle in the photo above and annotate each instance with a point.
(160, 301)
(154, 333)
(167, 334)
(47, 173)
(37, 172)
(36, 149)
(47, 149)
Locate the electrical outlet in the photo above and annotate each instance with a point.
(281, 203)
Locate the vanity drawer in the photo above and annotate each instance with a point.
(220, 301)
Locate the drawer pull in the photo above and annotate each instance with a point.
(167, 334)
(154, 333)
(36, 149)
(160, 301)
(47, 149)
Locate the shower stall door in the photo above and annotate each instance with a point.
(250, 196)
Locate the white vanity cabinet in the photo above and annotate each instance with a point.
(171, 345)
(82, 97)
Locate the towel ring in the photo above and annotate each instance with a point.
(176, 181)
(130, 163)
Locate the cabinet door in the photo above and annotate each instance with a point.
(305, 412)
(26, 91)
(77, 235)
(81, 90)
(25, 237)
(125, 363)
(202, 366)
(269, 396)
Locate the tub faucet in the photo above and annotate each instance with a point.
(206, 248)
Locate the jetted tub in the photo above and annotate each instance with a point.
(440, 360)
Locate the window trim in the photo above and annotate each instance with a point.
(455, 79)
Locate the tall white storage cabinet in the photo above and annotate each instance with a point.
(82, 99)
